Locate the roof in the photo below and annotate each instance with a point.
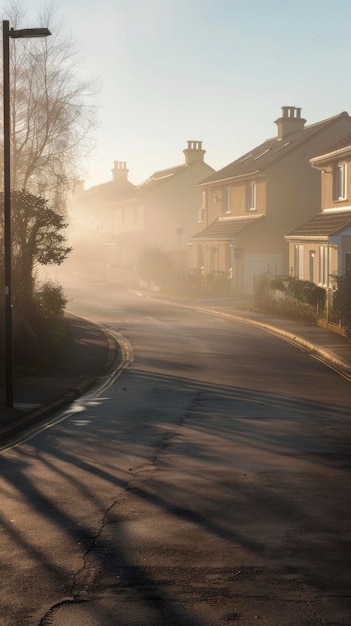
(106, 192)
(341, 144)
(325, 224)
(258, 159)
(227, 227)
(160, 176)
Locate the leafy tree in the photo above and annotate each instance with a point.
(37, 239)
(154, 265)
(52, 111)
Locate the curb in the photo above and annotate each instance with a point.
(329, 357)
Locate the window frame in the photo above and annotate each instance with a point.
(299, 250)
(340, 181)
(226, 201)
(251, 196)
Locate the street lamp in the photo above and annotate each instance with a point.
(26, 33)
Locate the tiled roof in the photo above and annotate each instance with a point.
(106, 192)
(227, 227)
(324, 224)
(160, 176)
(258, 159)
(345, 142)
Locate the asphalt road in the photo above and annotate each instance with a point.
(208, 484)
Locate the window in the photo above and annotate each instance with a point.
(226, 208)
(298, 261)
(123, 216)
(323, 265)
(251, 196)
(311, 268)
(202, 209)
(339, 182)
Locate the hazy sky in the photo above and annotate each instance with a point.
(217, 71)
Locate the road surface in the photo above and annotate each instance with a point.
(208, 484)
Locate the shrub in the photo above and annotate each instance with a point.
(289, 308)
(154, 265)
(50, 301)
(307, 292)
(342, 301)
(277, 284)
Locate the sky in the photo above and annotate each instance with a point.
(216, 71)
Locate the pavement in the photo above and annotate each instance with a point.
(93, 354)
(88, 358)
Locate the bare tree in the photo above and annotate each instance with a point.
(53, 113)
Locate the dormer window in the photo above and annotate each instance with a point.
(251, 196)
(339, 181)
(226, 205)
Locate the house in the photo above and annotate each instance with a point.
(320, 248)
(248, 206)
(91, 222)
(162, 211)
(90, 212)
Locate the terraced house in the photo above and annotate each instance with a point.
(251, 204)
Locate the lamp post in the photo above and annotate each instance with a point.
(26, 33)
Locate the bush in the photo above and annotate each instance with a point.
(277, 284)
(50, 301)
(289, 308)
(342, 301)
(307, 292)
(155, 265)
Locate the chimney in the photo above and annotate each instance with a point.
(289, 122)
(120, 171)
(194, 152)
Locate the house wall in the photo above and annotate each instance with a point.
(174, 205)
(327, 186)
(311, 270)
(127, 217)
(168, 212)
(238, 199)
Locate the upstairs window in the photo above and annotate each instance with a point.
(204, 198)
(202, 209)
(251, 196)
(339, 182)
(226, 207)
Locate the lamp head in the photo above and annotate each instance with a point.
(29, 33)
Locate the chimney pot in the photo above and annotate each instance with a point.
(290, 121)
(119, 171)
(194, 152)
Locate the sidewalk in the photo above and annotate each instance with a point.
(93, 353)
(90, 355)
